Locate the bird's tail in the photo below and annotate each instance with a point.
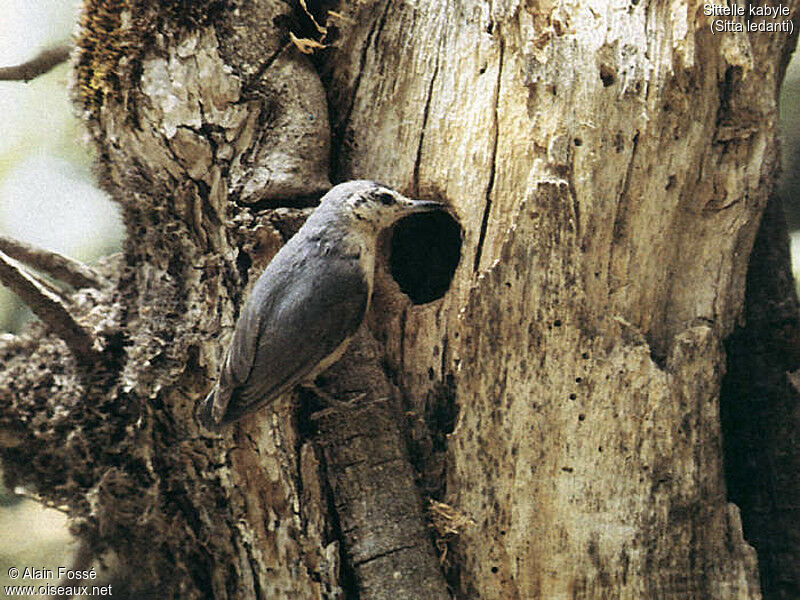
(204, 413)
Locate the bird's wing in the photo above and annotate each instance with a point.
(238, 361)
(288, 327)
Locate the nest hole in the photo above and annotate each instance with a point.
(425, 251)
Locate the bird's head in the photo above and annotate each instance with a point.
(374, 206)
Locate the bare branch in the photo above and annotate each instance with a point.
(55, 290)
(49, 307)
(372, 482)
(61, 267)
(35, 277)
(38, 65)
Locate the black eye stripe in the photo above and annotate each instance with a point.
(385, 198)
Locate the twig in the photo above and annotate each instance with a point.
(49, 307)
(63, 268)
(14, 248)
(306, 45)
(320, 28)
(53, 289)
(38, 65)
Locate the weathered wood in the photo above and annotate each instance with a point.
(633, 140)
(610, 477)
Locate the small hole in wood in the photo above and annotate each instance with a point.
(607, 75)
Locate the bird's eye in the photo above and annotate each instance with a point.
(385, 198)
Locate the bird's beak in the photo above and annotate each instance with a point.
(425, 205)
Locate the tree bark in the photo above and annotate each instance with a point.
(609, 165)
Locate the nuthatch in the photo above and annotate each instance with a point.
(308, 302)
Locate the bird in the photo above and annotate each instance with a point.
(309, 302)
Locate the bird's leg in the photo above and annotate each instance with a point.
(331, 400)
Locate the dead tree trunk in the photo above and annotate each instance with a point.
(609, 164)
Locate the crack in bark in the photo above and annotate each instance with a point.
(403, 325)
(254, 568)
(619, 218)
(488, 206)
(371, 37)
(617, 230)
(445, 348)
(347, 578)
(426, 111)
(263, 69)
(365, 561)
